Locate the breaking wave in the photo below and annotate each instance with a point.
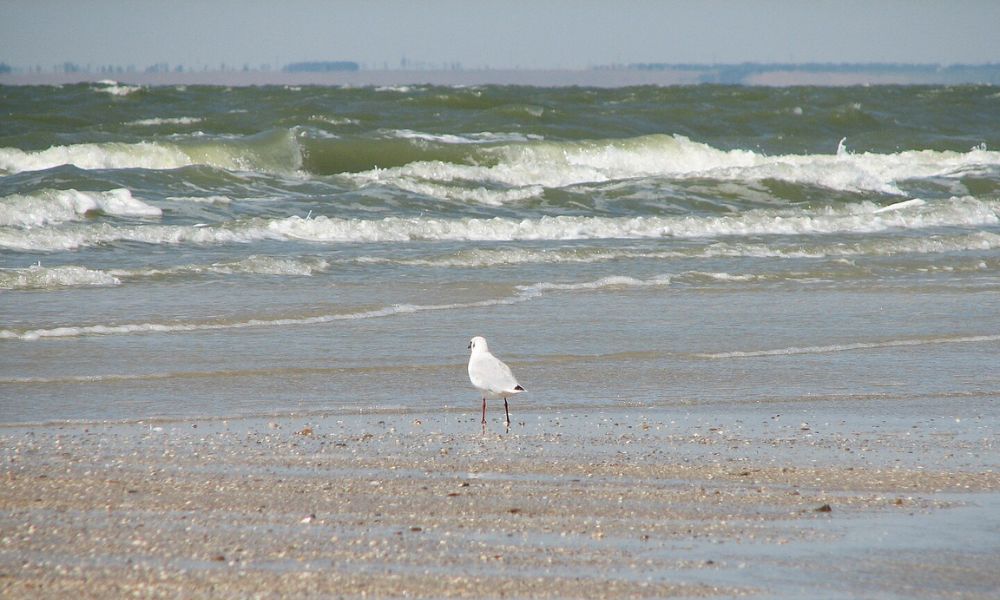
(157, 121)
(269, 152)
(497, 168)
(110, 155)
(883, 246)
(37, 277)
(549, 164)
(114, 88)
(863, 217)
(48, 207)
(251, 265)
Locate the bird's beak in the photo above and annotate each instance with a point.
(470, 346)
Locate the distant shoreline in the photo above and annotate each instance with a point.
(665, 75)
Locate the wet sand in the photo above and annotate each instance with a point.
(595, 503)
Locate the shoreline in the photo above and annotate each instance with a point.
(593, 504)
(597, 78)
(388, 78)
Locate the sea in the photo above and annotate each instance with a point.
(179, 252)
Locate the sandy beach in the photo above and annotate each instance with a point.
(601, 503)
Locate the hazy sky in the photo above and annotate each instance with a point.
(498, 34)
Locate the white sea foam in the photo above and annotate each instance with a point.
(112, 155)
(793, 350)
(330, 120)
(698, 276)
(856, 218)
(156, 121)
(38, 277)
(901, 205)
(251, 265)
(276, 152)
(73, 236)
(614, 281)
(878, 246)
(520, 294)
(561, 164)
(110, 86)
(480, 195)
(483, 257)
(873, 246)
(216, 199)
(482, 137)
(47, 207)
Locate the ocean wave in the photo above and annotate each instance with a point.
(214, 199)
(37, 277)
(878, 246)
(482, 137)
(110, 86)
(613, 281)
(271, 152)
(520, 294)
(855, 218)
(483, 257)
(331, 120)
(496, 257)
(888, 246)
(110, 155)
(551, 164)
(47, 207)
(251, 265)
(74, 236)
(479, 195)
(157, 121)
(498, 168)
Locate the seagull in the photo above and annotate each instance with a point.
(490, 376)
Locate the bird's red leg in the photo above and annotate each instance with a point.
(484, 410)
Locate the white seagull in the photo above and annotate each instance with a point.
(491, 376)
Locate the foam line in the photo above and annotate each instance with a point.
(793, 350)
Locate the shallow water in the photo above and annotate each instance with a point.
(211, 251)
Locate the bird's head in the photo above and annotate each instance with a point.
(478, 344)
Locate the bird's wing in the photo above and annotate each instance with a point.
(490, 373)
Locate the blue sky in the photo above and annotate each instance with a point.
(512, 33)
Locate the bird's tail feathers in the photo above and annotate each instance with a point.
(518, 388)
